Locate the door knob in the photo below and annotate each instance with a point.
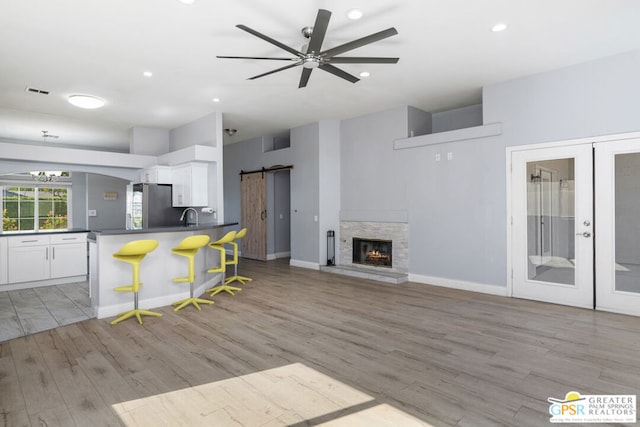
(585, 234)
(587, 223)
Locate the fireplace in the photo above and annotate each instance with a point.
(372, 252)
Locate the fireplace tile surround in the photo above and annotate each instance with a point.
(397, 232)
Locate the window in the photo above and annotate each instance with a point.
(33, 208)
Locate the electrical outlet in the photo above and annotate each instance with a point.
(437, 157)
(92, 212)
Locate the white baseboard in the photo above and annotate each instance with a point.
(151, 303)
(277, 255)
(459, 284)
(304, 264)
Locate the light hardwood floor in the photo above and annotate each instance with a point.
(435, 355)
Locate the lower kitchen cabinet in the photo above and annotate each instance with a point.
(32, 258)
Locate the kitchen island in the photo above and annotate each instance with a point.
(156, 271)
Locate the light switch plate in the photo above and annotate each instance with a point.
(92, 212)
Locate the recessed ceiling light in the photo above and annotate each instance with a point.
(365, 74)
(354, 14)
(499, 27)
(88, 102)
(147, 74)
(187, 1)
(216, 99)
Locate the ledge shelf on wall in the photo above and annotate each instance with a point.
(475, 132)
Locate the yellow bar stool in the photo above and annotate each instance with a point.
(239, 235)
(188, 248)
(219, 246)
(133, 253)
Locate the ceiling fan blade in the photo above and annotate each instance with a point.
(338, 72)
(270, 40)
(275, 71)
(319, 31)
(257, 57)
(360, 42)
(362, 60)
(304, 78)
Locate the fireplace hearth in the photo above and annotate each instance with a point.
(373, 252)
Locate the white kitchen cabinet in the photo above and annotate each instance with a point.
(32, 258)
(190, 185)
(68, 255)
(28, 258)
(157, 175)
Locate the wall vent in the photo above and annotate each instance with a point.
(35, 90)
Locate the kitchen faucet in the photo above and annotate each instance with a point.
(184, 212)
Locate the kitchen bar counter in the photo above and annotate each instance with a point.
(156, 270)
(30, 233)
(165, 229)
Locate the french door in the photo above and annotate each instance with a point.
(575, 226)
(552, 225)
(617, 188)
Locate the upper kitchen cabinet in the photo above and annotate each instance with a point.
(157, 175)
(190, 185)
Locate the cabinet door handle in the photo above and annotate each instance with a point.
(53, 252)
(46, 256)
(27, 241)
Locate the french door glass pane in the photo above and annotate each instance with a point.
(627, 220)
(550, 221)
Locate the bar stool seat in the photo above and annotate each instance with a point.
(133, 253)
(239, 235)
(188, 248)
(222, 268)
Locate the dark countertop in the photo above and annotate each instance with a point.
(31, 233)
(166, 229)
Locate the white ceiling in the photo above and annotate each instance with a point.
(447, 54)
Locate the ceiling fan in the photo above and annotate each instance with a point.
(314, 57)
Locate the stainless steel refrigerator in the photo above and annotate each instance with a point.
(150, 205)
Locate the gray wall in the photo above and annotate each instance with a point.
(248, 155)
(458, 118)
(457, 208)
(79, 200)
(203, 131)
(110, 213)
(305, 190)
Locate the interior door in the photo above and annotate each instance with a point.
(617, 188)
(254, 215)
(554, 263)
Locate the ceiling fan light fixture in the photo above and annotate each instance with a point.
(311, 63)
(354, 14)
(88, 102)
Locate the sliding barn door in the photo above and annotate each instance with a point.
(254, 215)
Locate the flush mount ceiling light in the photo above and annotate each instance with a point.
(230, 131)
(364, 74)
(216, 99)
(354, 14)
(499, 27)
(88, 102)
(187, 1)
(147, 74)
